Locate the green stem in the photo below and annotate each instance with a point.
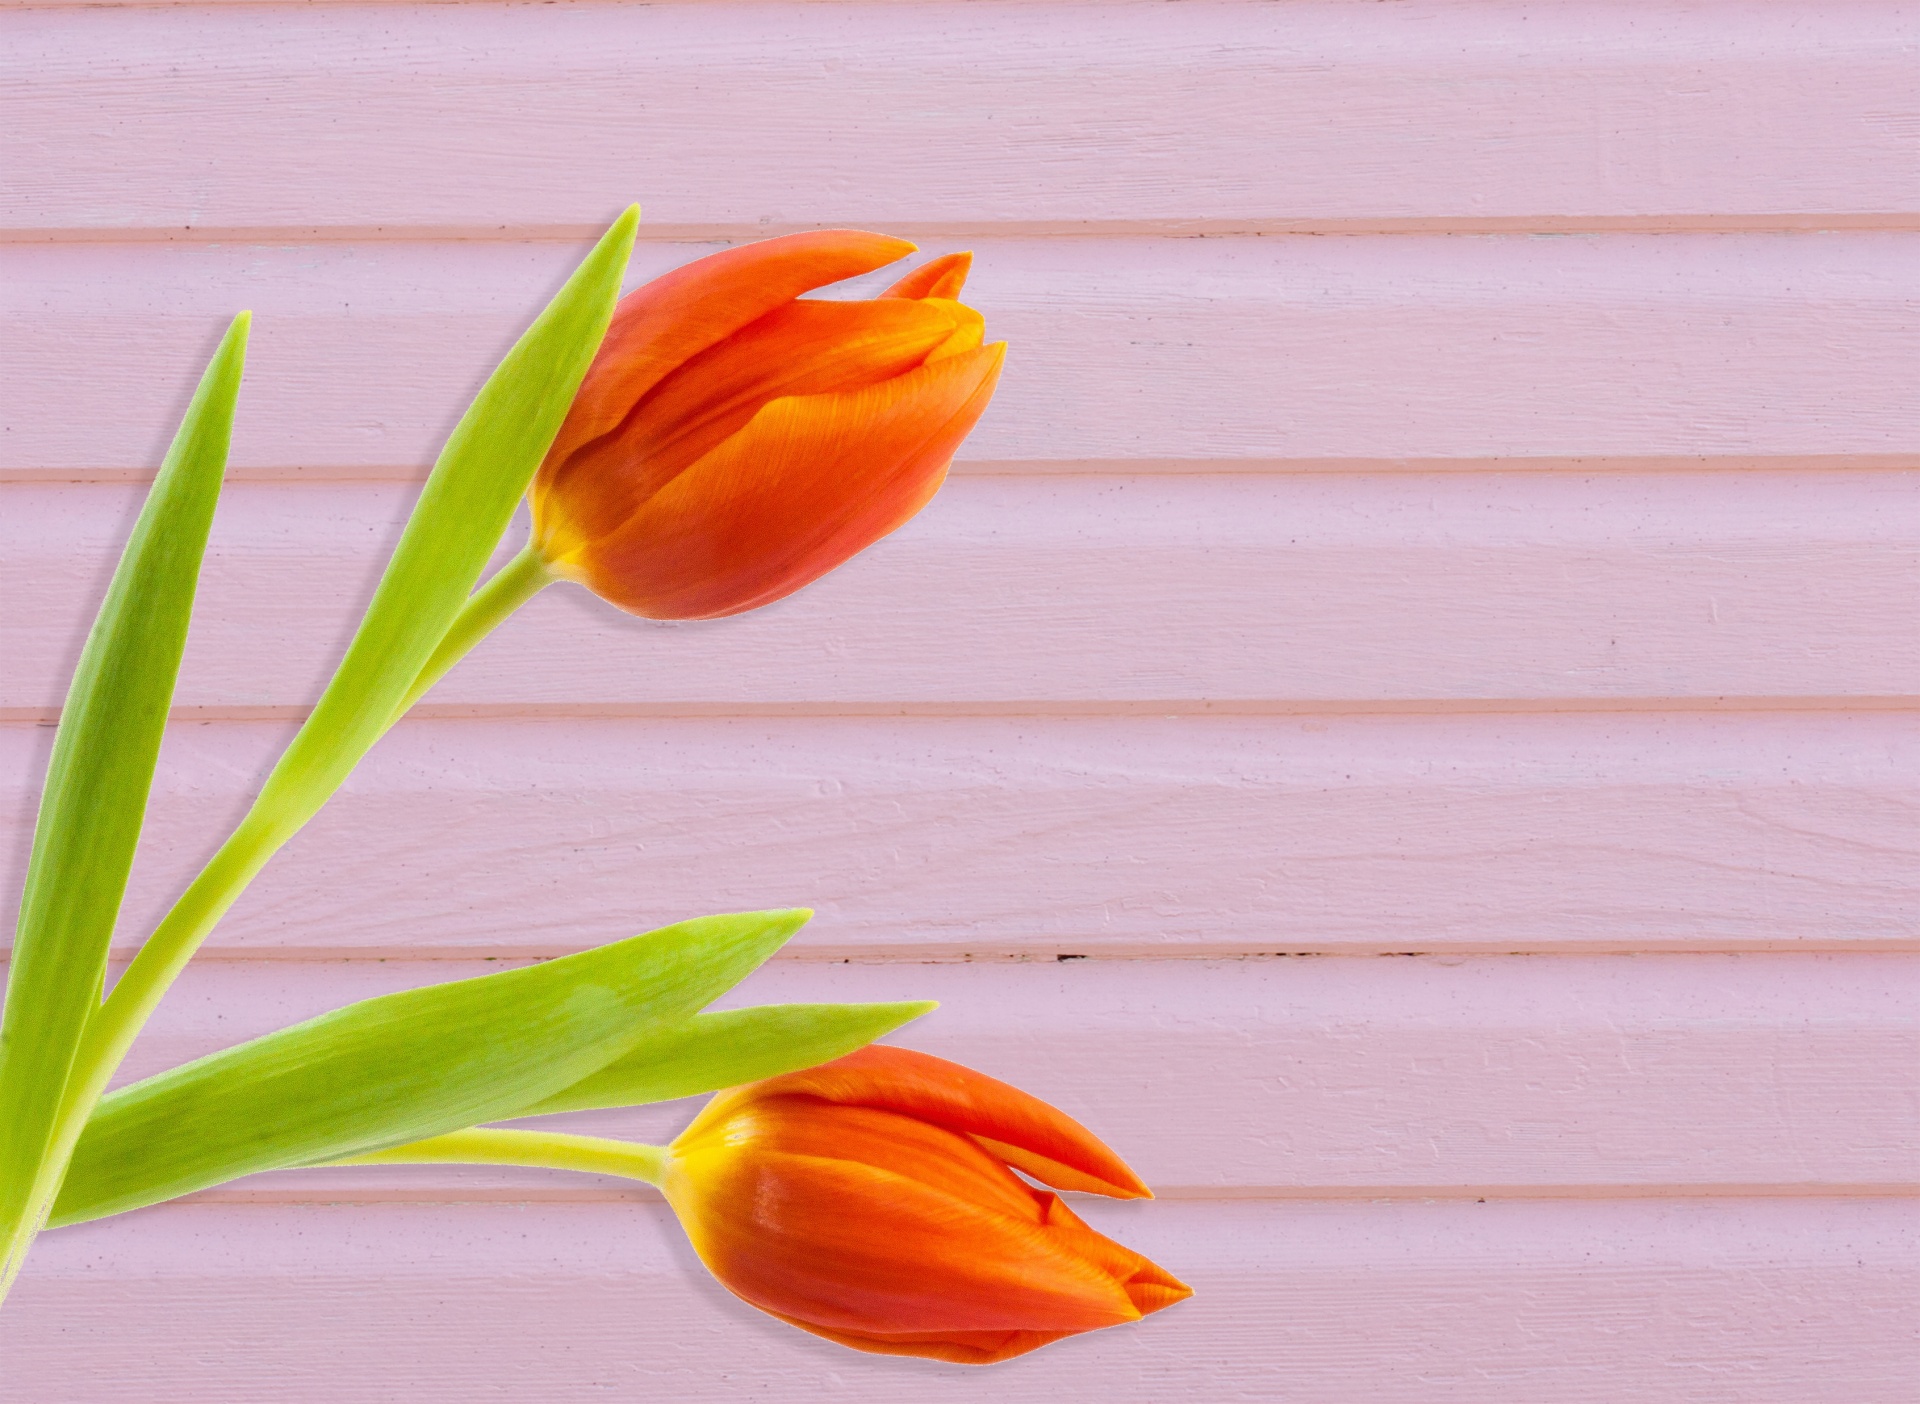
(546, 1150)
(516, 582)
(266, 828)
(113, 1026)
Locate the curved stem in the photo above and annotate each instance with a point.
(267, 827)
(546, 1150)
(516, 582)
(117, 1022)
(260, 835)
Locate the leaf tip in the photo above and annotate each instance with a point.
(231, 353)
(618, 239)
(777, 925)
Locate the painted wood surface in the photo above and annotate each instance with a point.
(1389, 1077)
(943, 836)
(1404, 719)
(1639, 350)
(1309, 589)
(1735, 1301)
(1061, 114)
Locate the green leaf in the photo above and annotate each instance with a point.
(729, 1047)
(463, 511)
(404, 1066)
(96, 789)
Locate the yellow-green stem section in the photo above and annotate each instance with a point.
(516, 582)
(115, 1025)
(546, 1150)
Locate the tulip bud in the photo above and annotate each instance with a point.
(870, 1201)
(734, 441)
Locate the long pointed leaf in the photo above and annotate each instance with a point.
(404, 1066)
(463, 511)
(729, 1047)
(96, 789)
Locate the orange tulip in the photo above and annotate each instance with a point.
(870, 1201)
(734, 441)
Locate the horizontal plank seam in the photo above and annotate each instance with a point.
(1054, 949)
(1042, 707)
(1127, 467)
(1670, 222)
(617, 1193)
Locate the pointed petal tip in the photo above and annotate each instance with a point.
(991, 359)
(944, 276)
(1132, 1187)
(870, 241)
(1147, 1299)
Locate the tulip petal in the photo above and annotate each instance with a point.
(1149, 1286)
(1146, 1283)
(1028, 1134)
(932, 1155)
(673, 318)
(943, 277)
(801, 348)
(856, 1248)
(970, 329)
(810, 481)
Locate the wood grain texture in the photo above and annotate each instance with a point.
(1392, 1077)
(1313, 588)
(1228, 115)
(1251, 351)
(1738, 1302)
(990, 836)
(1409, 583)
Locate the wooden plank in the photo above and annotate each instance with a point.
(1647, 349)
(1748, 1302)
(1343, 696)
(1149, 593)
(1646, 1075)
(984, 836)
(1232, 115)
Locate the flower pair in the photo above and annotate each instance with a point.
(732, 442)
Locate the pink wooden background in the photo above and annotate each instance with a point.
(1404, 719)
